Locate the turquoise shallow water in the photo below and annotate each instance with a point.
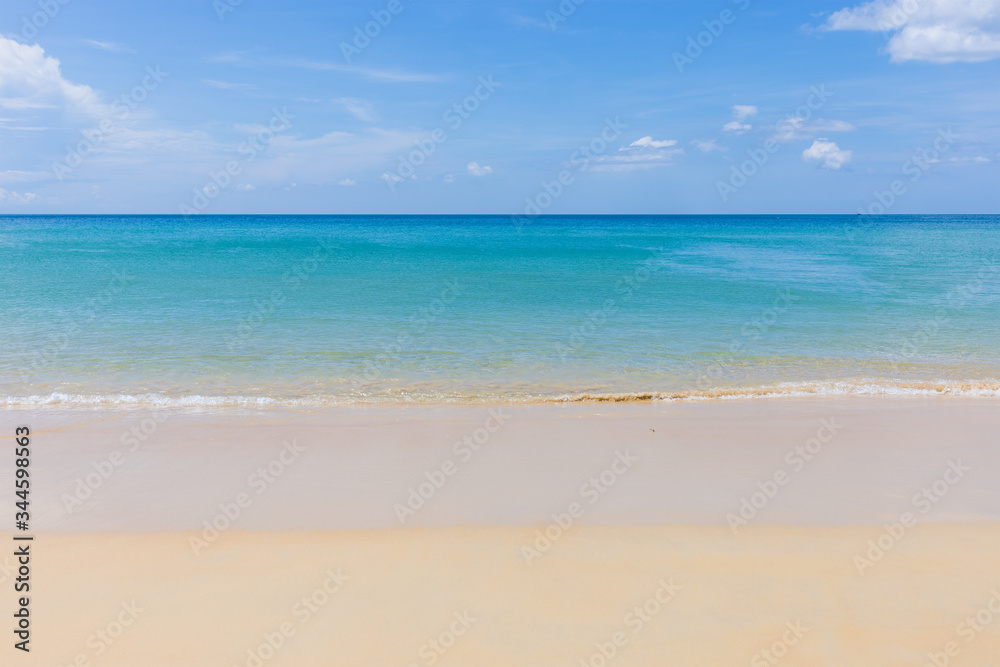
(343, 309)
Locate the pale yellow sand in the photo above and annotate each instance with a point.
(130, 575)
(404, 588)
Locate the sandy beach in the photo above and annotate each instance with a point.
(383, 597)
(500, 334)
(810, 531)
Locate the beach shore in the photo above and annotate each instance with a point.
(806, 531)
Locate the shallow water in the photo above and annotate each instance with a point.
(314, 309)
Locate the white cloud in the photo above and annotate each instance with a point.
(226, 85)
(530, 22)
(246, 187)
(347, 182)
(13, 176)
(7, 196)
(449, 178)
(177, 156)
(31, 80)
(110, 46)
(230, 58)
(384, 75)
(360, 109)
(793, 129)
(740, 113)
(329, 158)
(823, 125)
(940, 31)
(5, 125)
(136, 141)
(644, 153)
(827, 153)
(245, 59)
(476, 170)
(706, 146)
(156, 154)
(649, 142)
(975, 159)
(634, 162)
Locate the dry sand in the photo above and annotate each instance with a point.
(645, 493)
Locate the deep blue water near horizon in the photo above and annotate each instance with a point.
(121, 309)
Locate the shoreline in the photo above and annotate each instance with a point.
(864, 387)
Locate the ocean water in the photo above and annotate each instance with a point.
(319, 309)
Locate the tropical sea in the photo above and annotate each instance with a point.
(260, 310)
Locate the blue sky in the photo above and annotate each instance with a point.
(624, 106)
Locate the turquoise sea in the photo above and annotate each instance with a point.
(325, 309)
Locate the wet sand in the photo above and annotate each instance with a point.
(827, 530)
